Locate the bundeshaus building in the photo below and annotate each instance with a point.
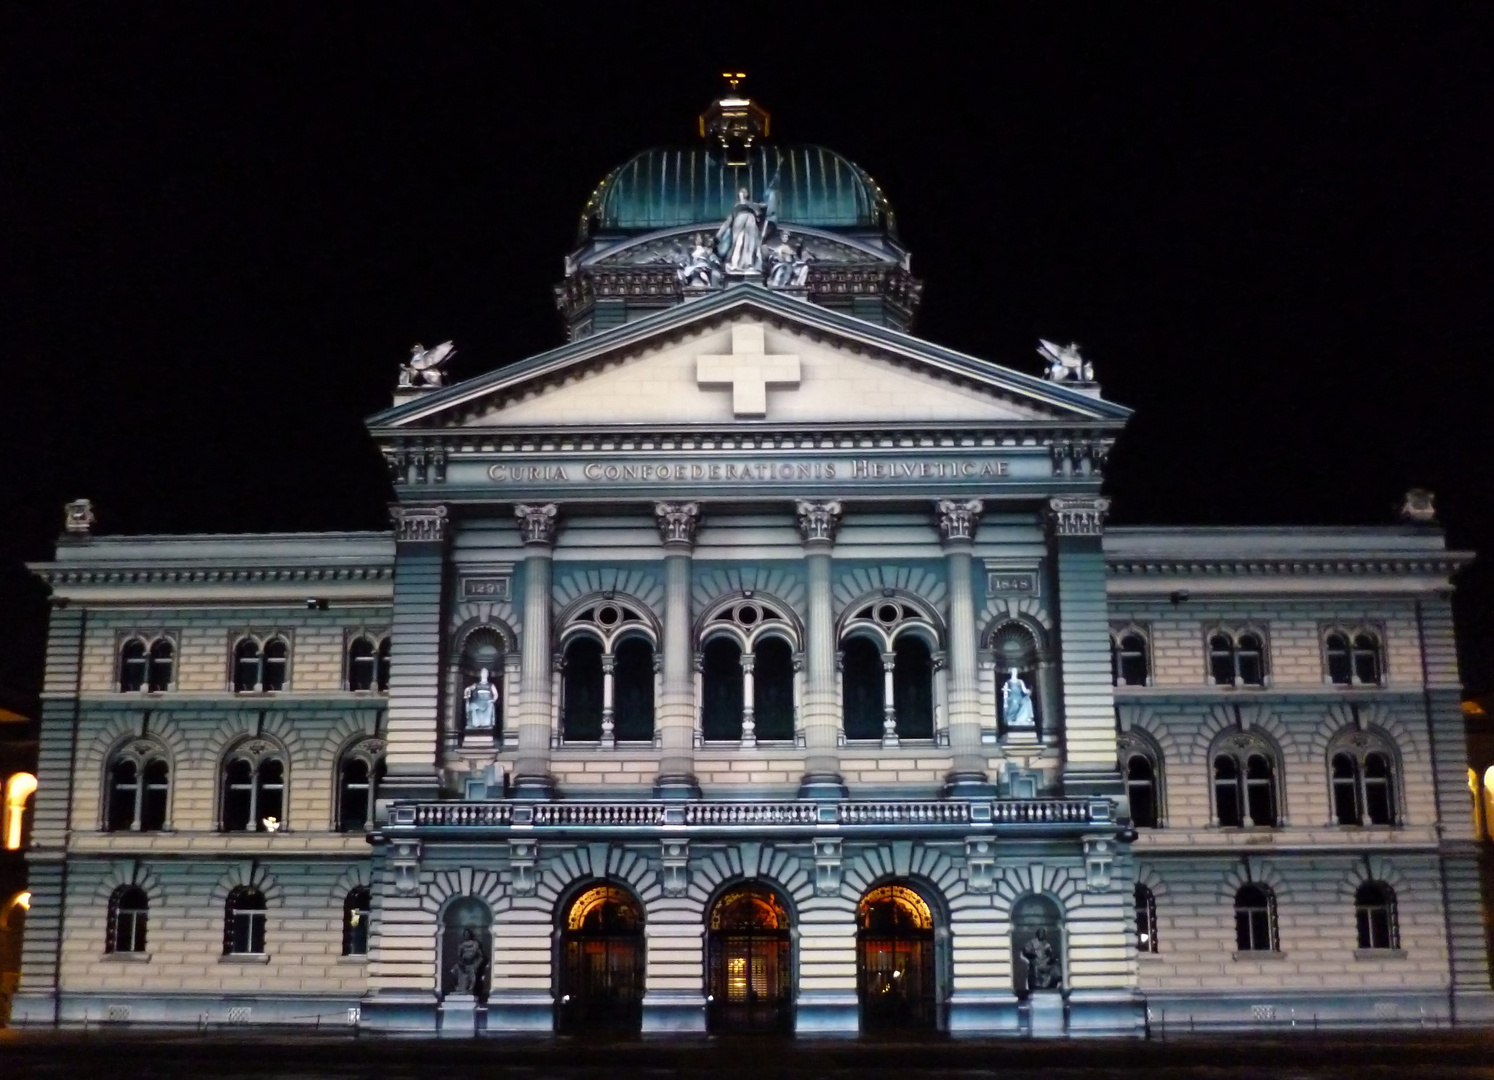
(748, 662)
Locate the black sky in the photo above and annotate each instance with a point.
(224, 224)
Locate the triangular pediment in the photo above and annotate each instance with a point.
(749, 356)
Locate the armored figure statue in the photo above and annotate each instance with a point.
(1016, 703)
(1043, 971)
(482, 703)
(466, 973)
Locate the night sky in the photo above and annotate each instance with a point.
(224, 225)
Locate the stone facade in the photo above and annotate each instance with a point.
(835, 710)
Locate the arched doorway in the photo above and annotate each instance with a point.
(749, 950)
(895, 960)
(601, 963)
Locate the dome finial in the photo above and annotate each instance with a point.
(734, 120)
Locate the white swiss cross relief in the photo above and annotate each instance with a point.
(749, 371)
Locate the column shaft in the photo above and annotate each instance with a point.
(675, 714)
(957, 522)
(532, 777)
(820, 706)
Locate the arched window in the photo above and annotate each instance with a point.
(134, 665)
(1245, 776)
(749, 961)
(581, 691)
(381, 672)
(1352, 656)
(254, 789)
(1478, 805)
(1141, 766)
(244, 922)
(363, 664)
(260, 665)
(162, 665)
(633, 690)
(1255, 919)
(1237, 658)
(913, 687)
(359, 776)
(1374, 916)
(895, 960)
(356, 909)
(1130, 661)
(862, 689)
(128, 911)
(602, 961)
(1146, 920)
(139, 788)
(721, 690)
(1362, 777)
(773, 689)
(14, 834)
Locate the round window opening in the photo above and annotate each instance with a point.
(887, 614)
(608, 616)
(747, 614)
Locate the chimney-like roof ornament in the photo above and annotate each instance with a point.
(734, 120)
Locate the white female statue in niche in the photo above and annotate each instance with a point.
(481, 700)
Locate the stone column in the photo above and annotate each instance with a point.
(889, 702)
(421, 534)
(1085, 710)
(675, 715)
(749, 700)
(609, 666)
(957, 520)
(532, 779)
(820, 709)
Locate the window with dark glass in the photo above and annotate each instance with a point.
(356, 910)
(1345, 780)
(773, 689)
(581, 691)
(1363, 785)
(162, 665)
(276, 658)
(1245, 780)
(139, 787)
(1237, 659)
(381, 672)
(1340, 659)
(1255, 919)
(1367, 659)
(359, 779)
(124, 795)
(244, 922)
(862, 688)
(363, 664)
(253, 793)
(913, 687)
(134, 666)
(633, 690)
(1250, 662)
(1129, 664)
(1227, 808)
(1379, 792)
(128, 911)
(1260, 790)
(1374, 916)
(721, 689)
(1141, 789)
(246, 660)
(1222, 660)
(1146, 920)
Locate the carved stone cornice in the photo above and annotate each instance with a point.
(958, 518)
(419, 524)
(1077, 515)
(818, 521)
(537, 522)
(677, 524)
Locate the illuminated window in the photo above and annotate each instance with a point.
(1374, 916)
(1255, 919)
(1478, 805)
(244, 922)
(18, 790)
(1146, 920)
(128, 911)
(356, 910)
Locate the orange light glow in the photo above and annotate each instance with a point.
(17, 790)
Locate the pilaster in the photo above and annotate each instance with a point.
(421, 534)
(1075, 527)
(957, 521)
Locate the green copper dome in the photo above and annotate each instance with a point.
(667, 188)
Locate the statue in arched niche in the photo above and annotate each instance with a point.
(1016, 703)
(481, 700)
(1044, 971)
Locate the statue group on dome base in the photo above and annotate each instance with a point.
(749, 244)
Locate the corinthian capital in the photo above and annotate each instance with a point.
(537, 523)
(818, 521)
(677, 523)
(1077, 515)
(419, 524)
(958, 517)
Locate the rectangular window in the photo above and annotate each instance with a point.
(248, 932)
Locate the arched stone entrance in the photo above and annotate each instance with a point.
(895, 960)
(749, 948)
(601, 963)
